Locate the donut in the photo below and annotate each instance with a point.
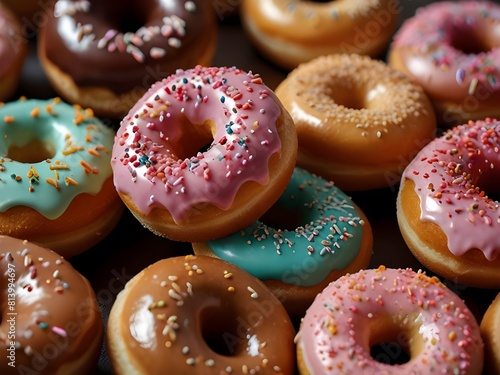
(50, 320)
(199, 315)
(377, 307)
(13, 50)
(445, 214)
(293, 32)
(490, 331)
(56, 186)
(104, 56)
(359, 122)
(182, 189)
(329, 236)
(450, 48)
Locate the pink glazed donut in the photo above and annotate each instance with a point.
(371, 307)
(446, 206)
(181, 189)
(451, 49)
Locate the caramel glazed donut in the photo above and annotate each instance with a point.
(104, 56)
(357, 312)
(50, 322)
(359, 122)
(199, 315)
(446, 217)
(451, 49)
(293, 32)
(185, 194)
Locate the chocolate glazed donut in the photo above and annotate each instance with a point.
(105, 56)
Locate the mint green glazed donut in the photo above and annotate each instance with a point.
(332, 237)
(50, 153)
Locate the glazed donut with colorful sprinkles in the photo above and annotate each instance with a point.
(293, 32)
(447, 210)
(451, 49)
(332, 237)
(105, 56)
(198, 315)
(181, 189)
(56, 186)
(50, 321)
(359, 122)
(359, 311)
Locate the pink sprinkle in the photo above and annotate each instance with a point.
(59, 331)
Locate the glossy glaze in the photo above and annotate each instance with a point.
(328, 236)
(50, 153)
(156, 158)
(54, 309)
(453, 176)
(452, 50)
(126, 46)
(398, 305)
(199, 315)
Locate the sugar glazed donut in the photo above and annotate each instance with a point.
(359, 122)
(444, 210)
(105, 56)
(50, 320)
(490, 330)
(416, 312)
(451, 49)
(293, 32)
(331, 237)
(199, 315)
(179, 191)
(56, 184)
(13, 49)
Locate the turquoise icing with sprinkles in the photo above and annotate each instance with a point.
(72, 157)
(328, 238)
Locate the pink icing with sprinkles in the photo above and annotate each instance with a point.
(336, 333)
(434, 30)
(151, 161)
(452, 176)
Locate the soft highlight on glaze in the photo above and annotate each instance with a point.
(80, 148)
(452, 177)
(150, 163)
(329, 235)
(452, 50)
(356, 311)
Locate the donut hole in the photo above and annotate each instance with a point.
(391, 342)
(194, 138)
(348, 97)
(129, 17)
(469, 41)
(219, 329)
(280, 217)
(34, 151)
